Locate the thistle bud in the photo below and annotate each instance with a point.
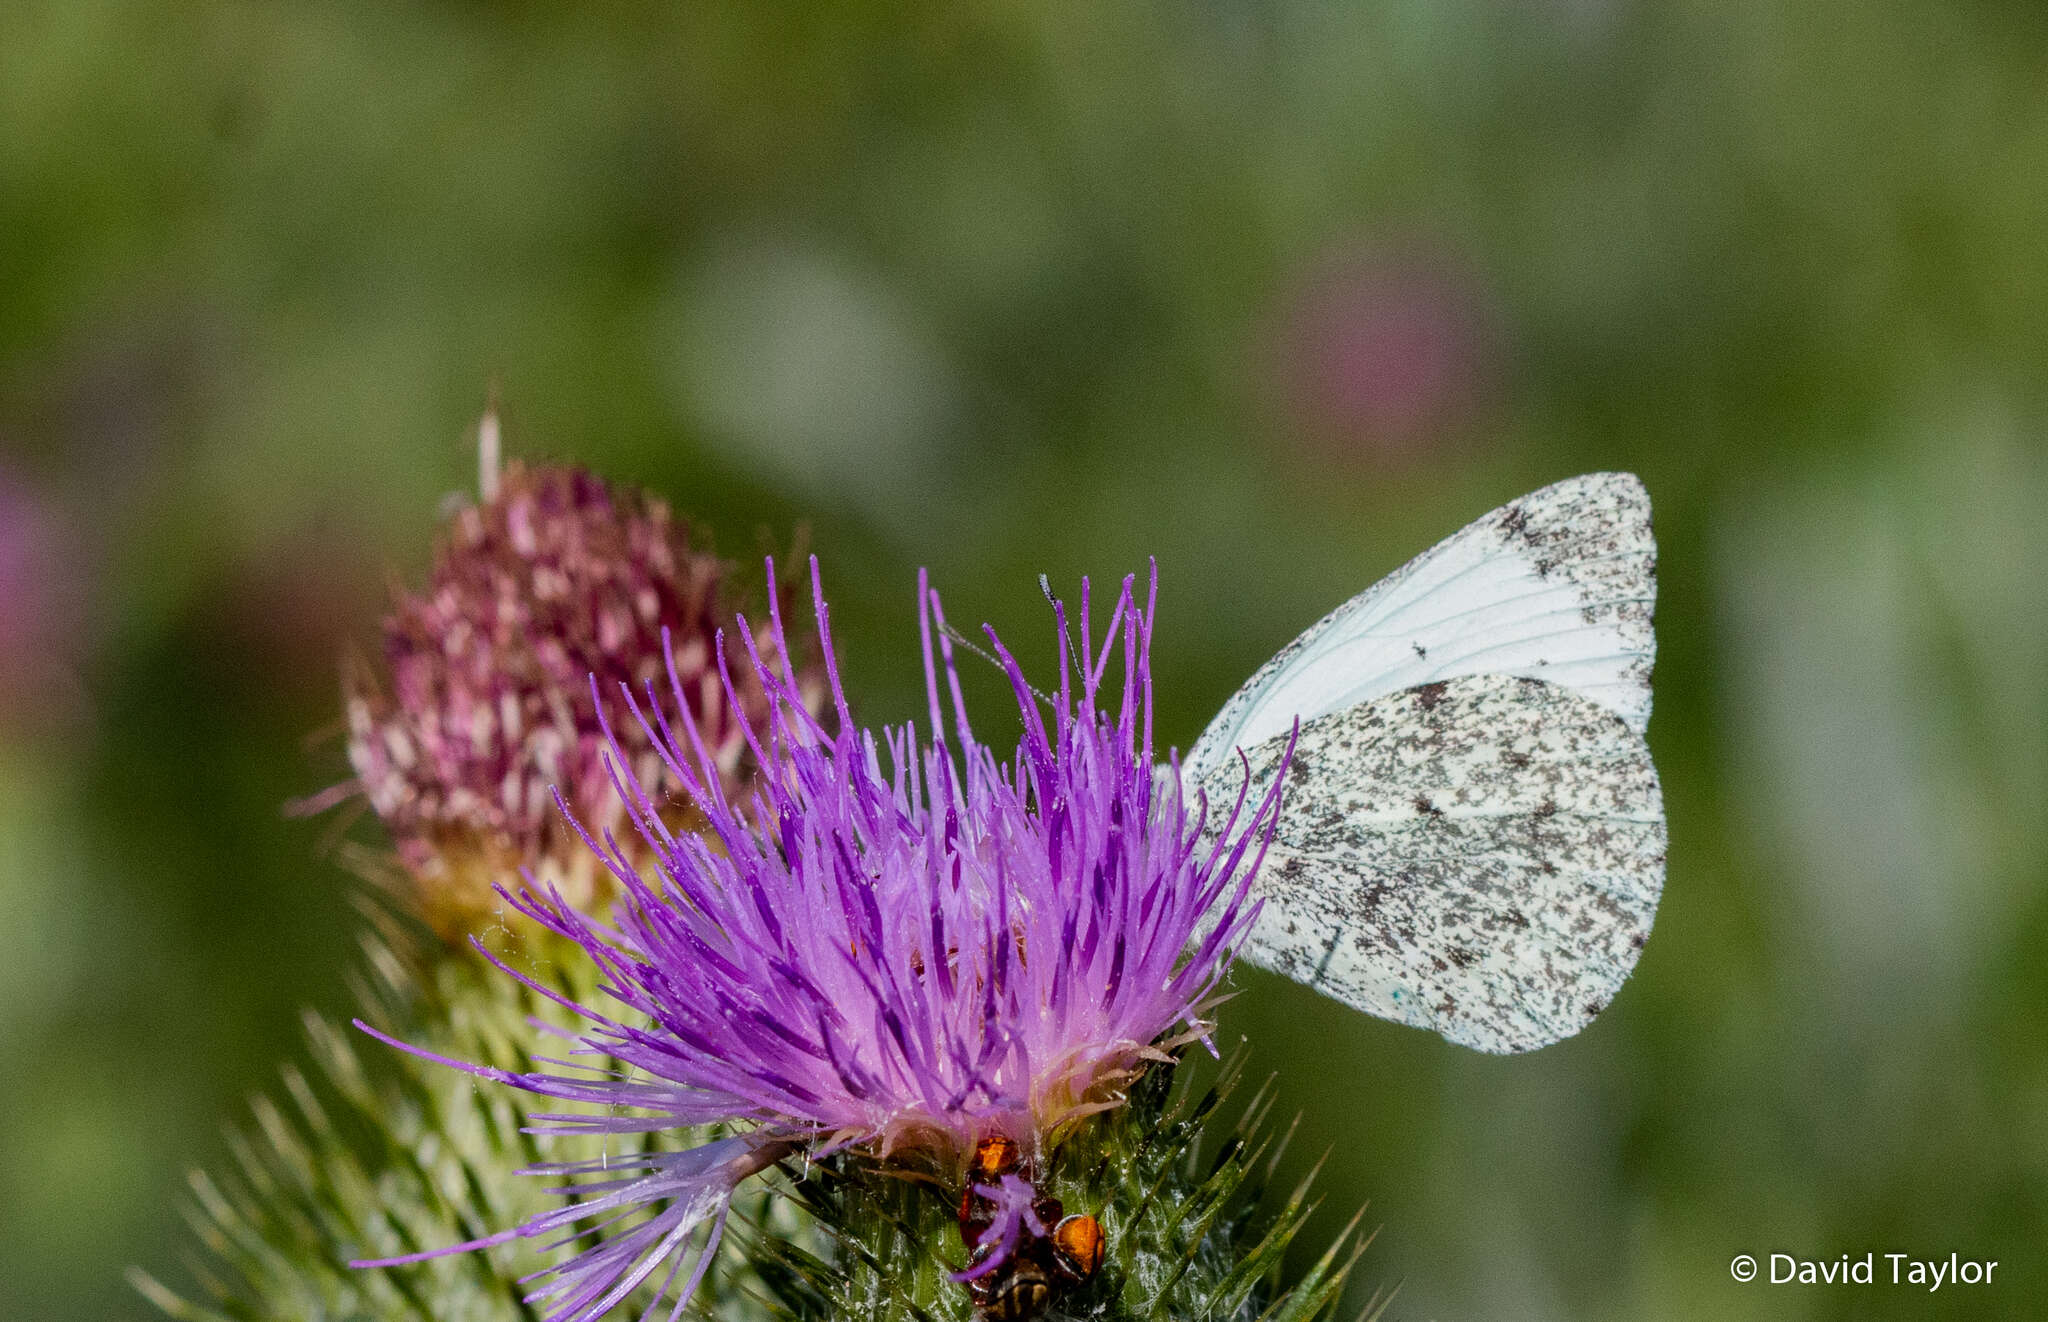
(485, 711)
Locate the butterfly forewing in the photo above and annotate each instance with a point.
(1480, 856)
(1559, 585)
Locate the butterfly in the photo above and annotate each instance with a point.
(1472, 836)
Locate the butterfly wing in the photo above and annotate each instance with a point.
(1558, 586)
(1480, 856)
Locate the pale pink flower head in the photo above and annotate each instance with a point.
(488, 707)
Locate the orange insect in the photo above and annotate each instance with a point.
(1078, 1245)
(1069, 1253)
(994, 1157)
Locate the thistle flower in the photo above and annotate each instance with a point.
(895, 964)
(43, 617)
(1385, 352)
(553, 578)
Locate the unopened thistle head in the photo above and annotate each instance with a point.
(895, 948)
(553, 578)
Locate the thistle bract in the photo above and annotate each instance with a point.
(895, 946)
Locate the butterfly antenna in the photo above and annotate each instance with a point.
(1066, 626)
(963, 640)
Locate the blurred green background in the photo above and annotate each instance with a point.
(1277, 292)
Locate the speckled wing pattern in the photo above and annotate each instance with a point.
(1473, 836)
(1479, 856)
(1558, 585)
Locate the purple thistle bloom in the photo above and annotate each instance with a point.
(901, 961)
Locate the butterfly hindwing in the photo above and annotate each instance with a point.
(1480, 856)
(1559, 585)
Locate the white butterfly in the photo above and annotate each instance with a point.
(1473, 837)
